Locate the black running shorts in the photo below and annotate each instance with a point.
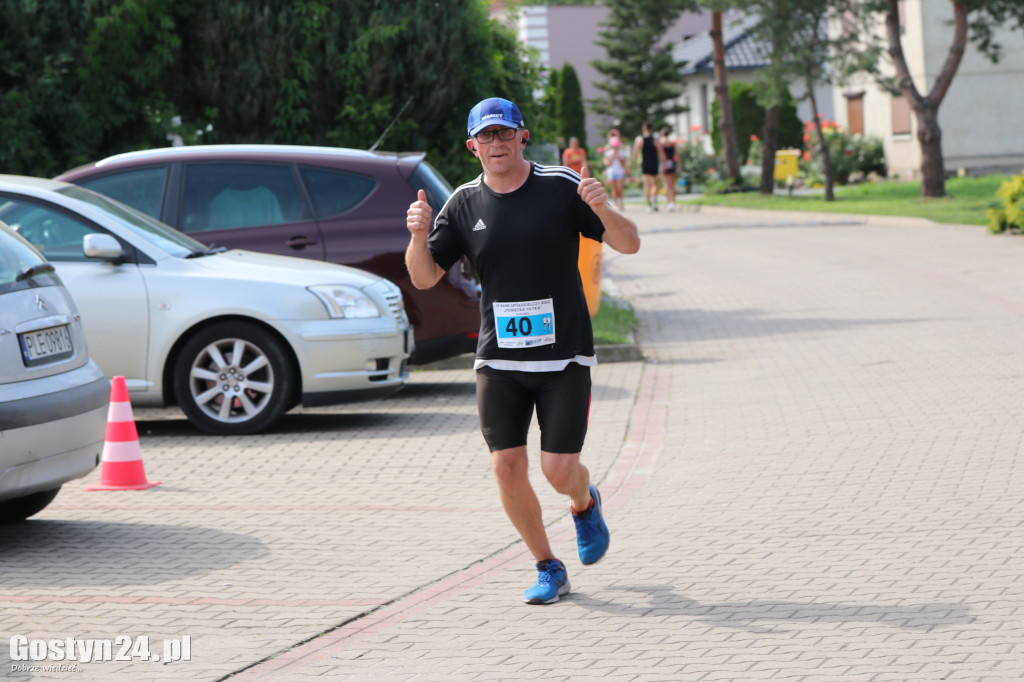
(506, 399)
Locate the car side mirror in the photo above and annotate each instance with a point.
(102, 246)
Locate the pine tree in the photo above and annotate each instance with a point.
(545, 125)
(641, 76)
(571, 116)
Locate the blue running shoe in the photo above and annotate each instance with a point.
(592, 536)
(552, 583)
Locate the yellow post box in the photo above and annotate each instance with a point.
(786, 165)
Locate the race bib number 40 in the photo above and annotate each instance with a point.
(525, 324)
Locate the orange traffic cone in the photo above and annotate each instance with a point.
(122, 457)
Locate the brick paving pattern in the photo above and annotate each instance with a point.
(814, 475)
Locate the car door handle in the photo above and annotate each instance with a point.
(300, 242)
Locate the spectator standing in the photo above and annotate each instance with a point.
(650, 153)
(615, 164)
(574, 156)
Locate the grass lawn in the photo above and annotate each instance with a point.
(614, 323)
(964, 204)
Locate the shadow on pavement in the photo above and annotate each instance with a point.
(419, 390)
(761, 616)
(56, 554)
(358, 424)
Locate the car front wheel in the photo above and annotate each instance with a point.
(233, 378)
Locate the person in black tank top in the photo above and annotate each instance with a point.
(646, 147)
(520, 224)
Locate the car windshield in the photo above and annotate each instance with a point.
(21, 266)
(164, 236)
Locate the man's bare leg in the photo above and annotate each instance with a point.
(511, 469)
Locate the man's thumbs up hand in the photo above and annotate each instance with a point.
(591, 190)
(418, 217)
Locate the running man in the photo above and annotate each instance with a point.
(519, 225)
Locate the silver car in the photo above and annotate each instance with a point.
(53, 398)
(235, 338)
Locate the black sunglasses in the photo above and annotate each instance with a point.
(503, 134)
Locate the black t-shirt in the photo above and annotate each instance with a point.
(649, 156)
(524, 246)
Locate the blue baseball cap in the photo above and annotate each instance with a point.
(493, 111)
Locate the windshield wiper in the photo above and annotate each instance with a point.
(209, 251)
(37, 269)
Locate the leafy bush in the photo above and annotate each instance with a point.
(84, 79)
(851, 155)
(1011, 214)
(748, 120)
(695, 164)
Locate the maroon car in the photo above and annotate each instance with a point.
(340, 205)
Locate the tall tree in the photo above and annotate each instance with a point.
(641, 76)
(973, 20)
(546, 125)
(802, 48)
(728, 131)
(772, 90)
(571, 115)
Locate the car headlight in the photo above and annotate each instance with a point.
(345, 301)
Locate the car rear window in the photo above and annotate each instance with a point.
(335, 192)
(426, 177)
(140, 188)
(221, 196)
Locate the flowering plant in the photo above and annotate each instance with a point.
(756, 152)
(850, 155)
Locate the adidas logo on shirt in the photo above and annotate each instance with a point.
(479, 226)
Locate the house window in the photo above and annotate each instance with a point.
(855, 113)
(900, 115)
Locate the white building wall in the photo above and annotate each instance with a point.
(699, 93)
(978, 113)
(981, 112)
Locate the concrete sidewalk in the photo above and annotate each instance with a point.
(815, 475)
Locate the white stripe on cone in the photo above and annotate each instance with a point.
(120, 412)
(122, 452)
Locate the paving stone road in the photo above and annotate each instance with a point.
(815, 474)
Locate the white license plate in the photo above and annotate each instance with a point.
(46, 345)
